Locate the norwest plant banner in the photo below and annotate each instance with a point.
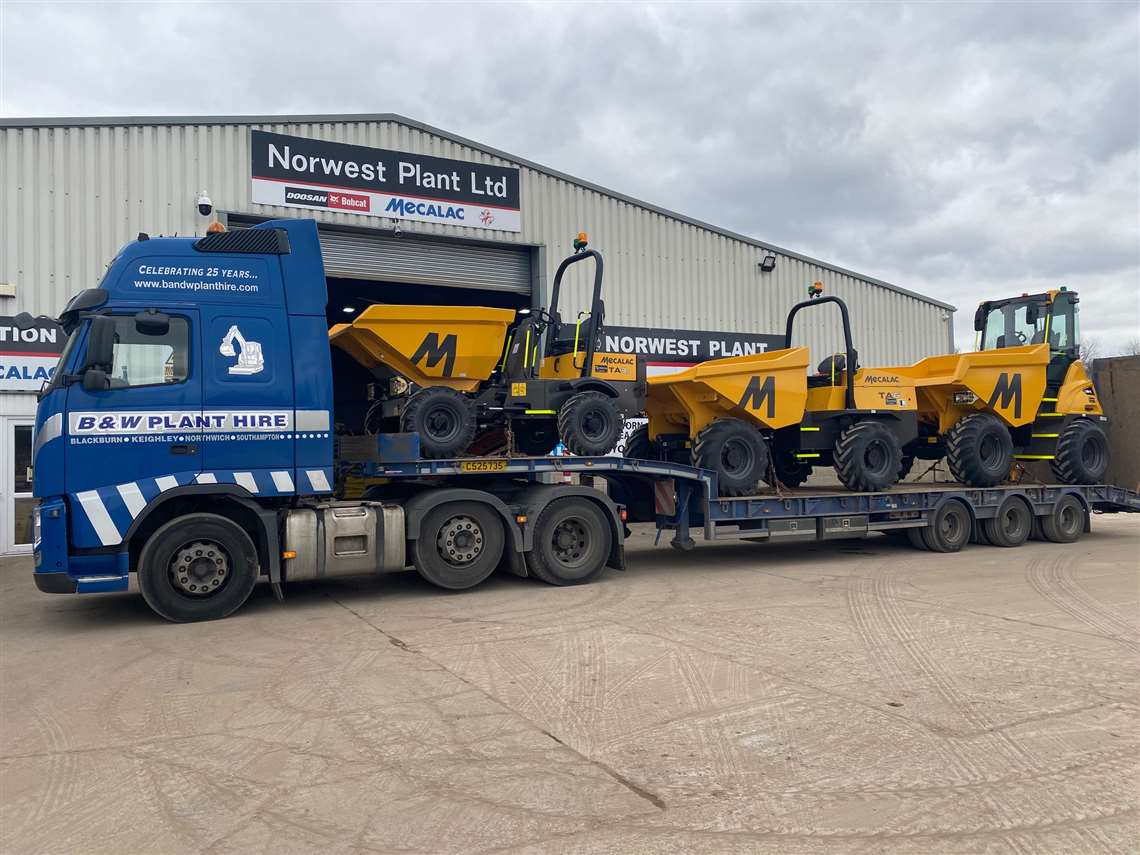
(667, 351)
(316, 174)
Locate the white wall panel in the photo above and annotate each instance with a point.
(73, 195)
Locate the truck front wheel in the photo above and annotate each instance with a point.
(197, 567)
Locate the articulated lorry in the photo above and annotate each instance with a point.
(188, 436)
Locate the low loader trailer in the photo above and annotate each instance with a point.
(188, 436)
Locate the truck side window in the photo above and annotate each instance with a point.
(149, 360)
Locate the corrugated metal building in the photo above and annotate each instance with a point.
(75, 190)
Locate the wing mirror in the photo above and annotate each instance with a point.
(100, 353)
(1031, 314)
(980, 317)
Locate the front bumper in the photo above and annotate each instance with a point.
(55, 583)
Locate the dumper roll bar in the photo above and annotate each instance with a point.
(597, 307)
(849, 369)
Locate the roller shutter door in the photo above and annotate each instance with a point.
(358, 256)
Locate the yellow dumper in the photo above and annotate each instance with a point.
(453, 371)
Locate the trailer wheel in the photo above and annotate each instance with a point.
(867, 457)
(1011, 525)
(736, 452)
(979, 450)
(590, 424)
(444, 419)
(459, 546)
(1082, 454)
(915, 538)
(789, 471)
(950, 528)
(197, 567)
(1067, 521)
(535, 438)
(572, 541)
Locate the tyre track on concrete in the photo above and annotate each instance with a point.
(1053, 579)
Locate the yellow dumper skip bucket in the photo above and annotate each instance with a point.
(452, 346)
(766, 389)
(1010, 381)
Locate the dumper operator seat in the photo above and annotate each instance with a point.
(830, 371)
(522, 350)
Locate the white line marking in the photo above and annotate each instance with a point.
(318, 480)
(132, 497)
(166, 482)
(206, 478)
(100, 520)
(246, 479)
(283, 482)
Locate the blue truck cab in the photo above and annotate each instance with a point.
(187, 435)
(198, 368)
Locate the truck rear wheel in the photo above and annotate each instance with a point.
(197, 567)
(979, 450)
(459, 545)
(444, 419)
(1067, 521)
(1082, 454)
(949, 529)
(590, 424)
(868, 457)
(736, 452)
(572, 541)
(1011, 525)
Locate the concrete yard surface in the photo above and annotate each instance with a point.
(853, 696)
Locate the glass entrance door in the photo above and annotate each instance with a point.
(16, 500)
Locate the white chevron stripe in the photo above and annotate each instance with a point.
(283, 482)
(99, 518)
(166, 482)
(318, 480)
(246, 479)
(206, 478)
(132, 497)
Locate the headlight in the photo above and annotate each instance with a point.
(965, 397)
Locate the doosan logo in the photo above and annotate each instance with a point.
(305, 196)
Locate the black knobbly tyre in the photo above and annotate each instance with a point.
(1082, 454)
(979, 450)
(639, 447)
(444, 419)
(535, 438)
(867, 457)
(590, 424)
(736, 452)
(949, 528)
(197, 567)
(1067, 521)
(1011, 525)
(572, 540)
(459, 545)
(905, 465)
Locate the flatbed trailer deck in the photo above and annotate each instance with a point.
(681, 499)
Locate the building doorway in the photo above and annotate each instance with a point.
(16, 500)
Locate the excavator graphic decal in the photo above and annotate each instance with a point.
(250, 359)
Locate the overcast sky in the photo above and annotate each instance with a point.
(960, 150)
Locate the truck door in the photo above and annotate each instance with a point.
(247, 379)
(142, 435)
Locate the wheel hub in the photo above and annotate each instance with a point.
(460, 540)
(200, 568)
(570, 542)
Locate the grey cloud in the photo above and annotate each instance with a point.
(964, 150)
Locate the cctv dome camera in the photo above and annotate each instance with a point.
(205, 206)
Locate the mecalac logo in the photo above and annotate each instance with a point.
(306, 196)
(432, 351)
(880, 378)
(408, 207)
(1007, 392)
(759, 392)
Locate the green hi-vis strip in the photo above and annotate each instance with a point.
(1050, 415)
(810, 428)
(1035, 456)
(1045, 435)
(1049, 400)
(539, 412)
(807, 455)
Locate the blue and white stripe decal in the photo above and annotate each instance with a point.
(105, 514)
